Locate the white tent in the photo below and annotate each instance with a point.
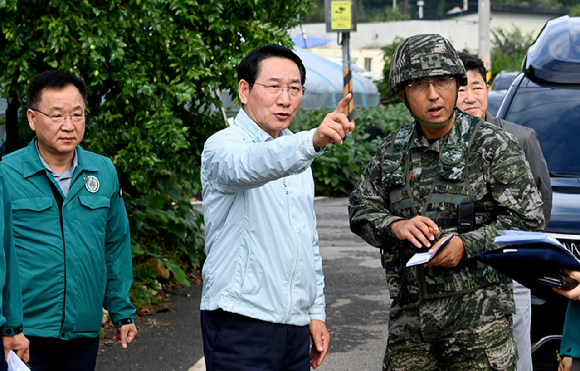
(324, 85)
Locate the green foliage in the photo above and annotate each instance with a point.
(151, 67)
(392, 15)
(509, 49)
(316, 14)
(546, 4)
(384, 85)
(337, 171)
(385, 13)
(575, 11)
(367, 11)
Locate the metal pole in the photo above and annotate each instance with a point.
(484, 45)
(347, 75)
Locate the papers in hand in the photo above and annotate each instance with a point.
(513, 238)
(15, 363)
(425, 257)
(522, 238)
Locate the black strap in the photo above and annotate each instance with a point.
(59, 202)
(466, 217)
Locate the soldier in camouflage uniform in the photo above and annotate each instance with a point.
(447, 172)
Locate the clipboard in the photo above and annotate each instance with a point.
(529, 257)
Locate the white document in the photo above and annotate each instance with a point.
(514, 238)
(424, 257)
(15, 363)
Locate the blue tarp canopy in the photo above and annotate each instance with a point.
(304, 41)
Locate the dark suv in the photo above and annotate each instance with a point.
(546, 97)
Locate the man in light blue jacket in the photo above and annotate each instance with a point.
(263, 283)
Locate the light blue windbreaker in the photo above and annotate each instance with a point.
(261, 245)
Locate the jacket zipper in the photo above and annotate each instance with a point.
(60, 201)
(297, 249)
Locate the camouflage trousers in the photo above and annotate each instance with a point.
(490, 346)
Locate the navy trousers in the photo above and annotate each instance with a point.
(51, 354)
(235, 342)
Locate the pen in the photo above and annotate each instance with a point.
(560, 360)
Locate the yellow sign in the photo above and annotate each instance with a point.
(340, 17)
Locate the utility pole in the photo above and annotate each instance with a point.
(341, 17)
(484, 44)
(347, 73)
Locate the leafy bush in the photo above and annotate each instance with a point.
(337, 171)
(509, 49)
(384, 85)
(151, 69)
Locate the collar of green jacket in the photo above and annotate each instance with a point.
(32, 165)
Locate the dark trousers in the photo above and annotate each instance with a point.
(235, 342)
(51, 354)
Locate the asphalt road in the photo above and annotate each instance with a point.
(357, 310)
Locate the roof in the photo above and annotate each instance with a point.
(555, 55)
(504, 9)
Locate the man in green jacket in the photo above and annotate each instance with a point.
(70, 230)
(11, 303)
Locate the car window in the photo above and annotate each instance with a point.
(494, 99)
(502, 83)
(555, 115)
(503, 80)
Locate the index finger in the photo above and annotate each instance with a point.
(341, 106)
(123, 338)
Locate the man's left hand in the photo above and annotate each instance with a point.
(19, 344)
(126, 334)
(320, 341)
(450, 255)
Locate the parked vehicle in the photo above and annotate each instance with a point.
(502, 81)
(546, 97)
(494, 99)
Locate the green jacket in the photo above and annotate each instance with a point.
(570, 345)
(11, 309)
(74, 260)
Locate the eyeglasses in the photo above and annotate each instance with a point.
(59, 119)
(277, 89)
(420, 86)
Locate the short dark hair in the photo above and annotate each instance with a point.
(249, 68)
(473, 63)
(53, 79)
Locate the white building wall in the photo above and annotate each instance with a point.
(462, 31)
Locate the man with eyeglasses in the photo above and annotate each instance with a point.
(263, 297)
(71, 231)
(472, 99)
(445, 174)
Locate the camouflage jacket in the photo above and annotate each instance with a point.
(431, 178)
